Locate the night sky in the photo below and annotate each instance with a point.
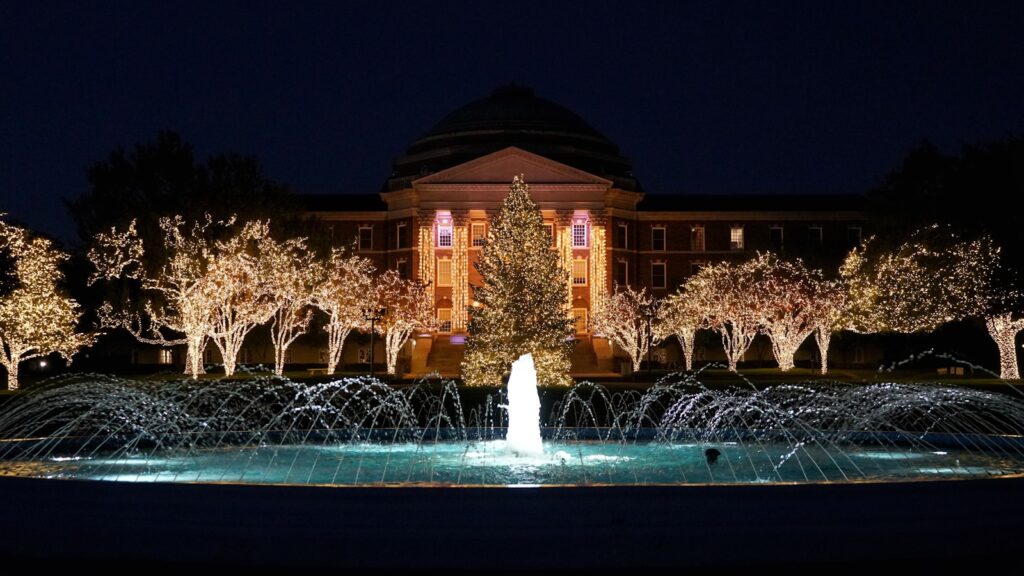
(705, 97)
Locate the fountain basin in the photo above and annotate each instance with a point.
(583, 461)
(797, 527)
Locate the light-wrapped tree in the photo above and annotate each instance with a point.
(406, 309)
(174, 305)
(37, 317)
(238, 294)
(787, 297)
(622, 320)
(832, 299)
(933, 278)
(680, 315)
(523, 297)
(343, 289)
(725, 292)
(289, 277)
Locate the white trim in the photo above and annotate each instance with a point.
(694, 229)
(437, 267)
(359, 238)
(585, 266)
(664, 276)
(664, 239)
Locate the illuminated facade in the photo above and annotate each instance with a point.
(431, 218)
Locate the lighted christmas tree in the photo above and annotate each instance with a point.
(523, 298)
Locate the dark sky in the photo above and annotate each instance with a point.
(705, 97)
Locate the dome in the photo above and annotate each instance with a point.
(512, 116)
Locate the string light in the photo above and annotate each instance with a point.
(622, 320)
(406, 310)
(1004, 329)
(524, 292)
(681, 316)
(175, 297)
(426, 253)
(36, 317)
(460, 280)
(289, 274)
(598, 269)
(342, 290)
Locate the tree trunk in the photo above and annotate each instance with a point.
(1003, 330)
(336, 336)
(194, 356)
(12, 373)
(824, 338)
(686, 345)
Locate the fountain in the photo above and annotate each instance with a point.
(644, 470)
(524, 409)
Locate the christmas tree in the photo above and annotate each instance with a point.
(523, 298)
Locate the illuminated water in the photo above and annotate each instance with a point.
(362, 432)
(489, 463)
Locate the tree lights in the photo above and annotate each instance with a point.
(36, 317)
(175, 297)
(622, 320)
(405, 309)
(523, 297)
(342, 290)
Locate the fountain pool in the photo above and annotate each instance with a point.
(855, 474)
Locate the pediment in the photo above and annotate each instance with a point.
(499, 168)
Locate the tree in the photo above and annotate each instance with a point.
(236, 291)
(406, 309)
(959, 190)
(789, 301)
(523, 297)
(175, 301)
(725, 292)
(932, 278)
(622, 320)
(832, 302)
(37, 317)
(289, 275)
(162, 178)
(342, 290)
(681, 315)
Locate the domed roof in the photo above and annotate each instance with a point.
(512, 116)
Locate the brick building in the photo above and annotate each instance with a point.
(431, 217)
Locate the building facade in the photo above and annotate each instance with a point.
(431, 217)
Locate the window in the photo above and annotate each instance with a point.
(444, 320)
(658, 275)
(366, 238)
(402, 267)
(479, 233)
(580, 320)
(697, 238)
(854, 234)
(695, 267)
(579, 235)
(166, 356)
(658, 238)
(815, 235)
(551, 231)
(444, 272)
(364, 355)
(622, 236)
(402, 235)
(579, 272)
(775, 237)
(736, 238)
(622, 273)
(444, 235)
